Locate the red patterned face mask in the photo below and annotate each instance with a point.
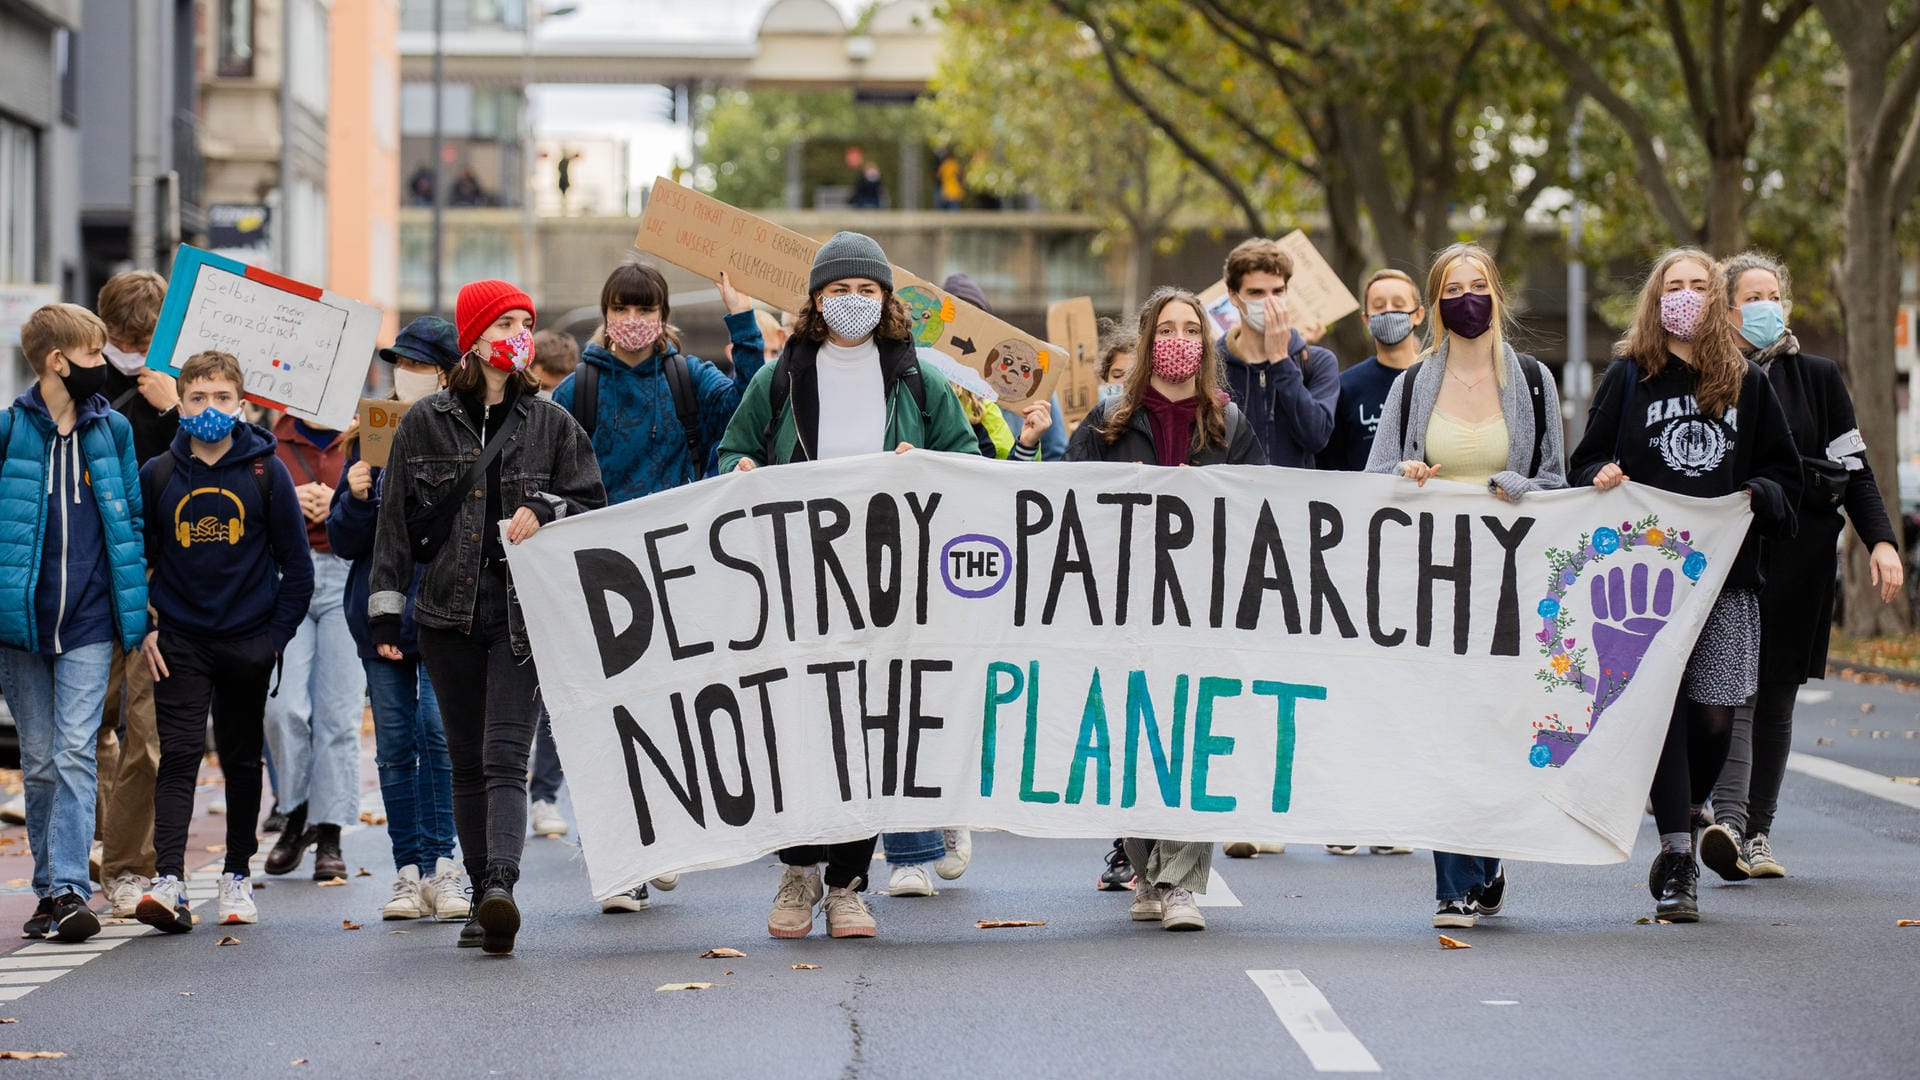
(1176, 359)
(512, 353)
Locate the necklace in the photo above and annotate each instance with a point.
(1470, 386)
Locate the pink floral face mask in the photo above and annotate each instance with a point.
(633, 335)
(512, 353)
(1176, 359)
(1680, 313)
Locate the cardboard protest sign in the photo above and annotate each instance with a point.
(1315, 294)
(379, 423)
(824, 651)
(303, 350)
(1073, 323)
(771, 263)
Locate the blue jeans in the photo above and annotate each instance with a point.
(909, 848)
(416, 776)
(313, 725)
(1457, 875)
(56, 702)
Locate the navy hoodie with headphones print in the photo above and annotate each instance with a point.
(225, 566)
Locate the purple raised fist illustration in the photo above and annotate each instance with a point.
(1625, 622)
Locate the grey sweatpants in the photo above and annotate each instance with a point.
(1179, 863)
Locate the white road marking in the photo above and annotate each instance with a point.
(1217, 894)
(1808, 696)
(11, 963)
(1310, 1019)
(126, 930)
(15, 993)
(57, 947)
(1861, 780)
(1499, 1003)
(17, 978)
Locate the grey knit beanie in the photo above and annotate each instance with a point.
(849, 255)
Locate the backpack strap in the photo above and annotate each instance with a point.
(586, 397)
(687, 405)
(1235, 421)
(917, 386)
(1626, 406)
(1406, 402)
(779, 389)
(1536, 386)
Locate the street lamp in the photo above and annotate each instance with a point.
(535, 14)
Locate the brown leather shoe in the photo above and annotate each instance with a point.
(328, 862)
(289, 850)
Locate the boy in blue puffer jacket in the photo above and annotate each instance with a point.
(232, 576)
(72, 583)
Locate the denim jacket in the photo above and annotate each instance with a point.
(547, 460)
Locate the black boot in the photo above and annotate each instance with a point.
(328, 862)
(1675, 883)
(292, 846)
(496, 912)
(470, 932)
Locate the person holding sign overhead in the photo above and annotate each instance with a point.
(410, 742)
(848, 383)
(1172, 413)
(481, 451)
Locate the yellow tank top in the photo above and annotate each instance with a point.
(1469, 453)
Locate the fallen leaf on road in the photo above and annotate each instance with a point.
(363, 872)
(118, 922)
(1913, 734)
(1823, 742)
(215, 849)
(8, 1020)
(1783, 924)
(1866, 706)
(371, 818)
(796, 967)
(996, 924)
(683, 986)
(1907, 922)
(29, 1055)
(333, 882)
(723, 954)
(15, 883)
(258, 885)
(1853, 731)
(396, 931)
(1906, 779)
(346, 924)
(1453, 943)
(186, 993)
(298, 1061)
(228, 941)
(1643, 921)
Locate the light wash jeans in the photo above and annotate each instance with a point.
(313, 726)
(416, 777)
(56, 702)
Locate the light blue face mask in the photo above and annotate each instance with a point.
(1762, 322)
(1112, 390)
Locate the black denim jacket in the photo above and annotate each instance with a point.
(547, 462)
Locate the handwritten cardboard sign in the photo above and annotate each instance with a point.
(1315, 294)
(1073, 322)
(771, 263)
(379, 421)
(303, 350)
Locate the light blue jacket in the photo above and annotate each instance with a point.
(106, 440)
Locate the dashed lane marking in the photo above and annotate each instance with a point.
(1217, 894)
(1861, 780)
(1329, 1045)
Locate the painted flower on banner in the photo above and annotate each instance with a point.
(1628, 603)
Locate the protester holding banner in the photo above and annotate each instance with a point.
(848, 383)
(1796, 606)
(313, 723)
(1681, 409)
(1394, 311)
(463, 460)
(231, 579)
(410, 743)
(1474, 411)
(129, 748)
(1172, 413)
(1287, 386)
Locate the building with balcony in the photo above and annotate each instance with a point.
(39, 154)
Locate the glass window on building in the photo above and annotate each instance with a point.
(1071, 268)
(986, 256)
(19, 201)
(310, 69)
(236, 38)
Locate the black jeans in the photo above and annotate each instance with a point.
(847, 862)
(1749, 789)
(228, 678)
(488, 705)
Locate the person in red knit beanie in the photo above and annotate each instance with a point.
(482, 302)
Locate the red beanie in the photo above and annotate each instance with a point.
(481, 302)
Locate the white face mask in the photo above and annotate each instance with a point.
(126, 363)
(411, 386)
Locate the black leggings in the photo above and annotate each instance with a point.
(1696, 748)
(230, 679)
(1749, 789)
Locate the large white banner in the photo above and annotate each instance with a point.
(820, 652)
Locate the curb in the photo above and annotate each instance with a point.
(1836, 667)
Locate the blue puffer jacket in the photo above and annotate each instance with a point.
(637, 435)
(106, 440)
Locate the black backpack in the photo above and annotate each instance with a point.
(781, 388)
(586, 405)
(1530, 369)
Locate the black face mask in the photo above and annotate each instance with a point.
(83, 382)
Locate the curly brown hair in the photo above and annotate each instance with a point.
(1718, 364)
(894, 325)
(1210, 421)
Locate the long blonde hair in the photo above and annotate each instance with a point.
(1437, 332)
(1719, 366)
(1210, 418)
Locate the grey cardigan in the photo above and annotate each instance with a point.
(1391, 446)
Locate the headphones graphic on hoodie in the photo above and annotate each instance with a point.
(209, 529)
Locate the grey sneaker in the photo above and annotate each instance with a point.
(800, 891)
(1719, 848)
(847, 914)
(1149, 902)
(1179, 912)
(1757, 854)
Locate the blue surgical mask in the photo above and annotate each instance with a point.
(209, 425)
(1762, 322)
(1111, 391)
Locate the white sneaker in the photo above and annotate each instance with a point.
(1149, 902)
(1247, 849)
(14, 810)
(631, 900)
(1178, 911)
(236, 901)
(547, 820)
(217, 806)
(408, 901)
(667, 882)
(443, 894)
(959, 853)
(124, 894)
(910, 881)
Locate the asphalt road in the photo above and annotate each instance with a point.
(1807, 976)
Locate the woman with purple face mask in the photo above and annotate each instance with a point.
(1680, 408)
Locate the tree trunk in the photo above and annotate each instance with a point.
(1726, 232)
